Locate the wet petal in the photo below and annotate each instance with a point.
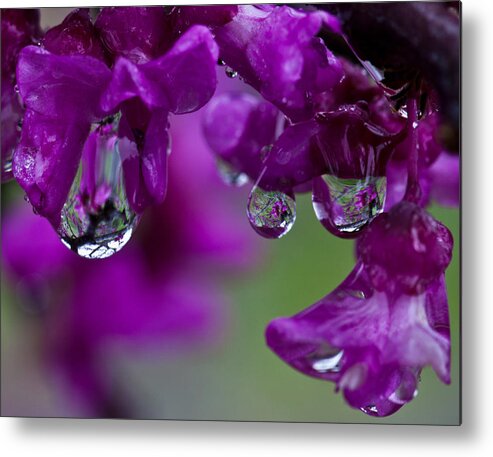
(64, 87)
(405, 232)
(136, 33)
(46, 160)
(237, 126)
(76, 35)
(180, 81)
(277, 53)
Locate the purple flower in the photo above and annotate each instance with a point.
(161, 291)
(20, 27)
(276, 52)
(69, 90)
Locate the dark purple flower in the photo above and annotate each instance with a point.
(372, 344)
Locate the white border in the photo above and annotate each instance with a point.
(55, 437)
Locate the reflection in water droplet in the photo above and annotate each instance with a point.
(96, 220)
(229, 175)
(371, 410)
(327, 359)
(352, 203)
(230, 73)
(271, 213)
(407, 388)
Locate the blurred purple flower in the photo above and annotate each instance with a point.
(164, 287)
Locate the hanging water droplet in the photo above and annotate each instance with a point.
(350, 204)
(327, 359)
(407, 388)
(96, 220)
(371, 410)
(230, 73)
(271, 213)
(229, 175)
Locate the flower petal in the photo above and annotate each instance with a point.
(237, 126)
(46, 160)
(180, 81)
(63, 87)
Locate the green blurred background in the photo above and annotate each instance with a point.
(238, 379)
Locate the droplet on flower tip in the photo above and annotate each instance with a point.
(271, 213)
(230, 73)
(229, 175)
(7, 166)
(327, 359)
(349, 205)
(371, 410)
(96, 219)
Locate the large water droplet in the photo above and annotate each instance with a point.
(271, 213)
(327, 359)
(229, 175)
(348, 205)
(96, 220)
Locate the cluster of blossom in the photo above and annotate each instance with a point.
(95, 98)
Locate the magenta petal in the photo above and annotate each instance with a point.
(237, 126)
(277, 53)
(405, 232)
(155, 156)
(76, 35)
(180, 81)
(372, 344)
(46, 160)
(10, 119)
(136, 33)
(209, 15)
(64, 87)
(294, 159)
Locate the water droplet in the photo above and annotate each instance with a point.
(19, 126)
(264, 152)
(271, 213)
(327, 359)
(221, 62)
(16, 89)
(346, 206)
(26, 198)
(371, 410)
(229, 175)
(230, 73)
(96, 220)
(407, 388)
(7, 166)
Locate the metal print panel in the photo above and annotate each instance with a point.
(232, 212)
